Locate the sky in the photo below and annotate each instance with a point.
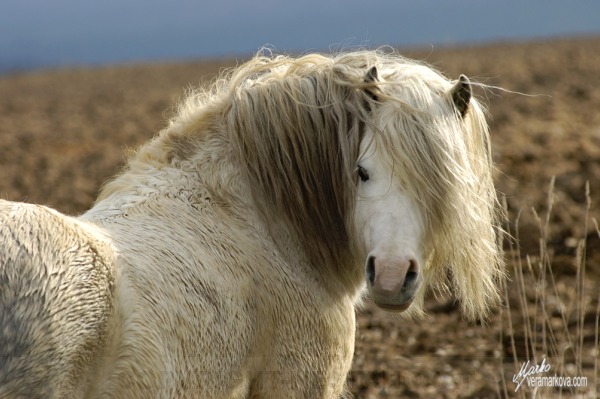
(59, 33)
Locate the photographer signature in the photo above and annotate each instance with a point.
(528, 370)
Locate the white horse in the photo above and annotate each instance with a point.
(227, 259)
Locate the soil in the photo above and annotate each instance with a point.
(65, 132)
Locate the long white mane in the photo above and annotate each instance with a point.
(294, 127)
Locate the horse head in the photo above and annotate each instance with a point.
(423, 185)
(379, 157)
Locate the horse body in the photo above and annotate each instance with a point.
(208, 324)
(228, 257)
(227, 286)
(212, 325)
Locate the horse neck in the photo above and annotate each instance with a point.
(203, 164)
(174, 164)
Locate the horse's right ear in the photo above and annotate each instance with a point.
(372, 76)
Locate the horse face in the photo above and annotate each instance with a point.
(390, 226)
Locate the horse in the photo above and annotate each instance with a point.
(229, 256)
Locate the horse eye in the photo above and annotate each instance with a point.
(363, 174)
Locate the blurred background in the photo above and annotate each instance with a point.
(82, 81)
(42, 33)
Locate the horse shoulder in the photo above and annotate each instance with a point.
(57, 281)
(185, 312)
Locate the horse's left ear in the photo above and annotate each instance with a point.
(371, 77)
(461, 95)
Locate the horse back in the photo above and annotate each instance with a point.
(56, 288)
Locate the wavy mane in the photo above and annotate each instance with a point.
(295, 125)
(298, 124)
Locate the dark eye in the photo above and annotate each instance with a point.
(363, 174)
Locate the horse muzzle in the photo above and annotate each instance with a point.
(393, 281)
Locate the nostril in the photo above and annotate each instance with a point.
(411, 275)
(371, 270)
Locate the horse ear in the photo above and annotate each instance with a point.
(371, 77)
(372, 74)
(461, 95)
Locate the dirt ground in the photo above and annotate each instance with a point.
(63, 133)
